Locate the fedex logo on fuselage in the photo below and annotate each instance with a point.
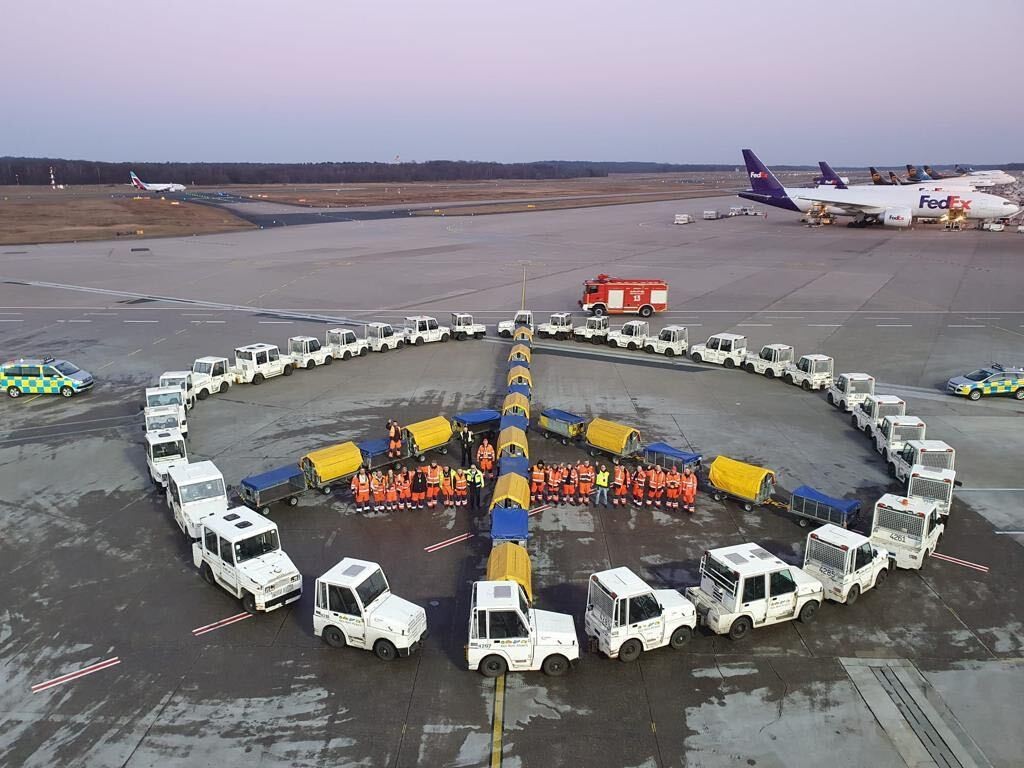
(949, 203)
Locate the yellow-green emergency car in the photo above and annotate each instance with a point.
(43, 376)
(994, 379)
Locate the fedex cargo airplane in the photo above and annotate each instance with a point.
(968, 178)
(891, 206)
(155, 187)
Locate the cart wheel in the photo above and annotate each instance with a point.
(747, 506)
(444, 451)
(716, 496)
(565, 441)
(804, 522)
(265, 511)
(547, 435)
(592, 454)
(616, 460)
(327, 490)
(293, 501)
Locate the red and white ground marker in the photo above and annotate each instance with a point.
(97, 667)
(958, 561)
(222, 623)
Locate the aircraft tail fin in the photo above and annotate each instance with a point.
(762, 181)
(933, 174)
(894, 179)
(829, 176)
(914, 175)
(136, 180)
(876, 178)
(965, 171)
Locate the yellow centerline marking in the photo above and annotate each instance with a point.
(30, 399)
(498, 721)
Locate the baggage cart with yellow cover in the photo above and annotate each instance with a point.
(750, 485)
(511, 490)
(429, 435)
(331, 466)
(511, 562)
(619, 441)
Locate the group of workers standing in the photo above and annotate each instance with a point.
(426, 487)
(645, 486)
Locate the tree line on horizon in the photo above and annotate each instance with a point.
(36, 171)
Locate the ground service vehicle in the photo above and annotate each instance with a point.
(671, 340)
(240, 551)
(567, 426)
(745, 586)
(626, 617)
(867, 415)
(631, 335)
(748, 484)
(894, 432)
(934, 485)
(285, 483)
(619, 441)
(195, 491)
(164, 450)
(507, 635)
(421, 329)
(682, 218)
(43, 376)
(809, 505)
(307, 352)
(849, 390)
(845, 562)
(343, 344)
(773, 360)
(355, 607)
(522, 319)
(933, 454)
(810, 372)
(595, 330)
(710, 215)
(256, 362)
(994, 379)
(463, 327)
(167, 397)
(908, 528)
(616, 295)
(381, 337)
(183, 380)
(210, 375)
(160, 418)
(728, 349)
(559, 326)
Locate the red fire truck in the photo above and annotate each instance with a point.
(617, 295)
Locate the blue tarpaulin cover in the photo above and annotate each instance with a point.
(559, 415)
(374, 447)
(667, 450)
(517, 464)
(846, 506)
(509, 524)
(473, 418)
(273, 477)
(521, 389)
(514, 420)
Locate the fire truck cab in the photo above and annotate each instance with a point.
(615, 295)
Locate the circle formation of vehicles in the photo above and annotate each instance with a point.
(741, 587)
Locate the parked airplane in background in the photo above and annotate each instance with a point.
(971, 179)
(868, 204)
(830, 178)
(156, 187)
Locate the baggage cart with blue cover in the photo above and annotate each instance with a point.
(285, 483)
(568, 426)
(517, 465)
(750, 485)
(810, 504)
(519, 389)
(509, 524)
(375, 452)
(664, 455)
(514, 420)
(483, 423)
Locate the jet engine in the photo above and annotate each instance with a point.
(897, 217)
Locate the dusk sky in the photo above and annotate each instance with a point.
(672, 81)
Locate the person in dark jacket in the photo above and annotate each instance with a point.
(466, 441)
(419, 490)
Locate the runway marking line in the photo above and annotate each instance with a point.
(893, 325)
(160, 340)
(222, 623)
(448, 542)
(97, 667)
(965, 326)
(140, 321)
(958, 561)
(824, 325)
(12, 321)
(538, 510)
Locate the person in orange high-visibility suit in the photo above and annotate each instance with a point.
(554, 482)
(461, 486)
(378, 490)
(656, 485)
(620, 486)
(673, 486)
(390, 491)
(402, 486)
(639, 486)
(585, 472)
(447, 491)
(433, 484)
(570, 479)
(485, 458)
(537, 481)
(394, 440)
(361, 491)
(689, 490)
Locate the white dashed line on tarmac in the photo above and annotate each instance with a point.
(893, 325)
(969, 326)
(275, 322)
(984, 318)
(12, 321)
(753, 325)
(160, 341)
(79, 321)
(10, 313)
(140, 321)
(824, 325)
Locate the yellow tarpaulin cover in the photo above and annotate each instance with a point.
(615, 438)
(739, 479)
(511, 488)
(520, 352)
(518, 372)
(516, 403)
(429, 434)
(328, 464)
(522, 332)
(513, 436)
(511, 562)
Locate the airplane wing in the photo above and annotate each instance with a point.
(850, 208)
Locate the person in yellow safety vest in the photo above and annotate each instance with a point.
(620, 486)
(554, 485)
(689, 487)
(485, 457)
(475, 478)
(394, 440)
(361, 490)
(461, 488)
(377, 490)
(537, 481)
(570, 479)
(585, 472)
(673, 484)
(603, 478)
(433, 484)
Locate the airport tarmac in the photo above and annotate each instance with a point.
(100, 580)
